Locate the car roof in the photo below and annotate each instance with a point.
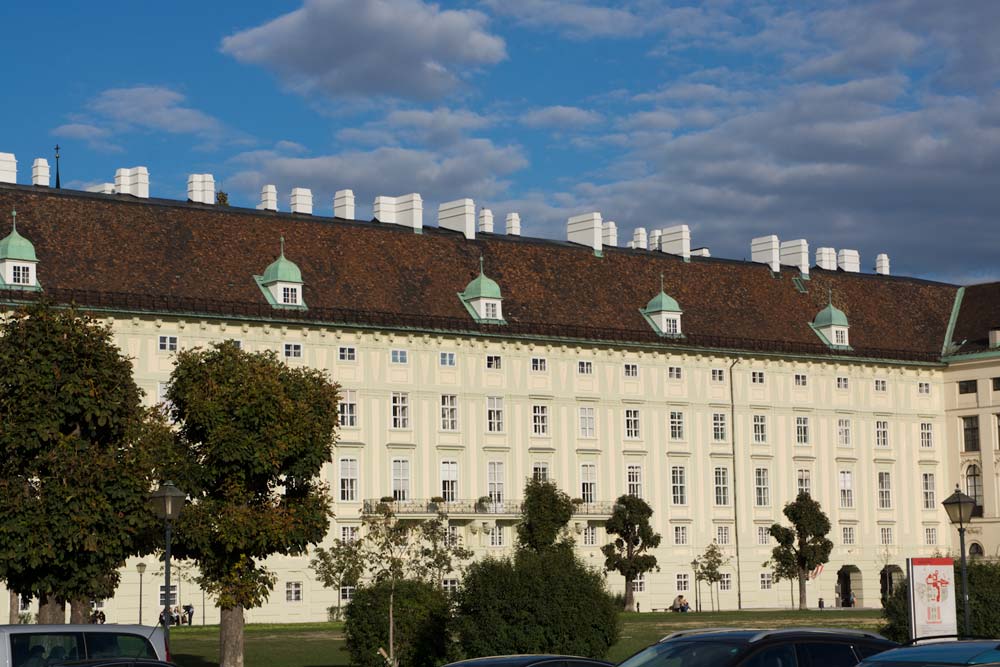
(518, 660)
(145, 630)
(969, 652)
(752, 636)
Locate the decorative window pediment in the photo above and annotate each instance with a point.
(282, 283)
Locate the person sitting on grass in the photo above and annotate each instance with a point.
(684, 605)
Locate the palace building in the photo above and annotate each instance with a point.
(471, 360)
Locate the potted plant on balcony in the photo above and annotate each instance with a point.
(436, 503)
(483, 504)
(577, 504)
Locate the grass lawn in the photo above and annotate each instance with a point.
(322, 644)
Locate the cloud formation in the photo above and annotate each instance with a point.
(561, 117)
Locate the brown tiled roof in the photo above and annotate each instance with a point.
(979, 312)
(125, 253)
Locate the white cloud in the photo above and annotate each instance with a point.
(154, 108)
(575, 19)
(343, 48)
(561, 117)
(97, 138)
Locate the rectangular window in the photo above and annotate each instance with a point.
(490, 310)
(674, 373)
(803, 482)
(847, 535)
(290, 296)
(293, 350)
(763, 535)
(766, 581)
(967, 387)
(449, 412)
(497, 536)
(844, 432)
(540, 420)
(494, 414)
(293, 591)
(842, 383)
(676, 425)
(496, 479)
(173, 595)
(722, 486)
(926, 434)
(540, 471)
(683, 582)
(585, 367)
(884, 490)
(801, 380)
(673, 326)
(449, 586)
(348, 534)
(839, 337)
(22, 274)
(348, 480)
(538, 365)
(590, 536)
(885, 535)
(399, 357)
(722, 536)
(631, 424)
(996, 385)
(726, 582)
(449, 480)
(347, 354)
(718, 375)
(929, 486)
(631, 370)
(719, 427)
(587, 426)
(346, 593)
(680, 535)
(930, 536)
(634, 480)
(401, 479)
(881, 433)
(762, 487)
(168, 343)
(400, 409)
(678, 485)
(970, 433)
(802, 430)
(881, 386)
(846, 489)
(924, 388)
(756, 377)
(588, 482)
(446, 359)
(760, 429)
(494, 362)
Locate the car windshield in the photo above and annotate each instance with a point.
(685, 654)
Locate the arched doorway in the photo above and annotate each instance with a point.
(849, 589)
(890, 577)
(976, 550)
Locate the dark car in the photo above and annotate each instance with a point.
(115, 662)
(739, 647)
(531, 661)
(985, 653)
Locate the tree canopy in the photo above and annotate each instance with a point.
(803, 546)
(545, 513)
(627, 553)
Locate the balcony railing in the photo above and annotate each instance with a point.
(466, 507)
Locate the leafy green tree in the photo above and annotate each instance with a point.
(254, 434)
(338, 566)
(546, 511)
(628, 553)
(784, 570)
(709, 569)
(439, 552)
(74, 467)
(804, 546)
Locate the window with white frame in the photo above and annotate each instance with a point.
(801, 380)
(847, 535)
(494, 414)
(588, 482)
(497, 536)
(802, 430)
(763, 535)
(587, 423)
(881, 433)
(348, 534)
(885, 535)
(293, 350)
(723, 536)
(884, 490)
(719, 430)
(449, 412)
(168, 343)
(348, 480)
(290, 296)
(631, 424)
(293, 591)
(839, 337)
(766, 581)
(449, 480)
(496, 480)
(929, 486)
(450, 585)
(540, 420)
(760, 429)
(494, 362)
(401, 479)
(347, 593)
(538, 365)
(447, 359)
(680, 535)
(718, 375)
(756, 377)
(762, 487)
(540, 471)
(399, 357)
(585, 367)
(400, 410)
(22, 274)
(803, 481)
(844, 432)
(678, 485)
(673, 326)
(683, 582)
(926, 435)
(846, 489)
(347, 353)
(590, 536)
(490, 308)
(639, 583)
(726, 581)
(674, 373)
(924, 388)
(722, 486)
(881, 386)
(631, 370)
(930, 536)
(842, 383)
(676, 425)
(634, 480)
(347, 409)
(173, 595)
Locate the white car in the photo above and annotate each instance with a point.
(44, 645)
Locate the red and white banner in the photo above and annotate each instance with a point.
(932, 597)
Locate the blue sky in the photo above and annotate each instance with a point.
(873, 126)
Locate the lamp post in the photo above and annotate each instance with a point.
(959, 507)
(141, 569)
(166, 503)
(697, 585)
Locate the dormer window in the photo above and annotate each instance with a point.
(840, 336)
(664, 314)
(831, 325)
(290, 296)
(491, 309)
(482, 299)
(672, 325)
(21, 274)
(281, 283)
(17, 261)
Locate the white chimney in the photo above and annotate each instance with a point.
(40, 172)
(796, 253)
(882, 264)
(8, 168)
(485, 220)
(268, 198)
(586, 230)
(343, 204)
(458, 216)
(384, 209)
(102, 188)
(826, 258)
(514, 224)
(134, 181)
(676, 240)
(639, 238)
(609, 233)
(766, 250)
(995, 337)
(301, 201)
(701, 252)
(654, 239)
(849, 260)
(201, 189)
(410, 211)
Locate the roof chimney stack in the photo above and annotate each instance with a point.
(485, 220)
(701, 252)
(882, 264)
(639, 239)
(654, 239)
(40, 172)
(8, 168)
(458, 216)
(676, 240)
(301, 201)
(514, 224)
(609, 233)
(268, 198)
(849, 261)
(585, 229)
(135, 182)
(826, 258)
(995, 337)
(766, 250)
(201, 188)
(796, 253)
(343, 204)
(384, 209)
(410, 211)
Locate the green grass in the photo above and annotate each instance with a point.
(322, 644)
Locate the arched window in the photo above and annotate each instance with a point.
(974, 484)
(976, 550)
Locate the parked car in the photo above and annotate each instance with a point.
(115, 662)
(982, 653)
(740, 647)
(541, 660)
(44, 645)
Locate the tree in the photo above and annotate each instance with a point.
(804, 546)
(709, 569)
(627, 554)
(221, 198)
(545, 513)
(338, 566)
(75, 468)
(439, 552)
(785, 569)
(253, 436)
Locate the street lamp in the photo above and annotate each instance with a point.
(166, 502)
(141, 569)
(959, 507)
(697, 585)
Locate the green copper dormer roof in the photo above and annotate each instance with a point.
(282, 269)
(831, 316)
(663, 302)
(482, 287)
(14, 246)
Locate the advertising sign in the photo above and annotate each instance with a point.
(932, 597)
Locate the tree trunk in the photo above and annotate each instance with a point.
(802, 590)
(79, 611)
(15, 608)
(231, 637)
(393, 661)
(629, 594)
(51, 611)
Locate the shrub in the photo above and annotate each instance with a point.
(421, 619)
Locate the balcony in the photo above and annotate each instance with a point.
(470, 508)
